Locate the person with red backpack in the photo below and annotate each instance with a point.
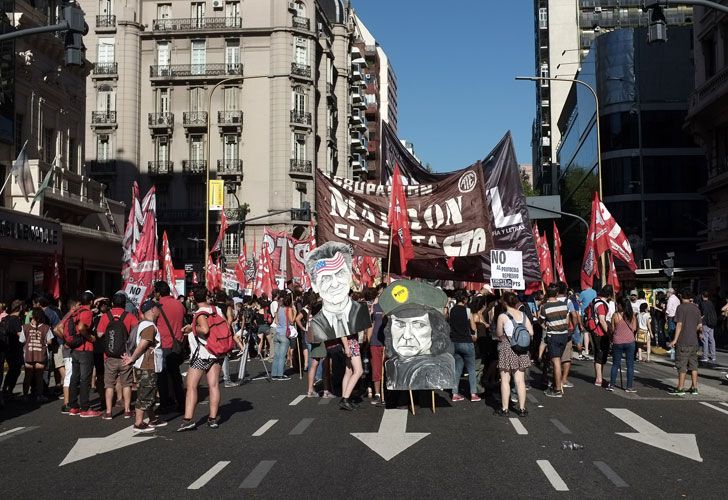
(80, 339)
(114, 329)
(210, 340)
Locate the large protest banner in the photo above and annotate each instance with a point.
(448, 218)
(287, 254)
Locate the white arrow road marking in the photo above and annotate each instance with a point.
(681, 444)
(392, 438)
(89, 447)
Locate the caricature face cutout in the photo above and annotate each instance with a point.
(333, 280)
(411, 336)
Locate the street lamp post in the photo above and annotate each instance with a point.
(599, 136)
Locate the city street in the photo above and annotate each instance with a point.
(272, 441)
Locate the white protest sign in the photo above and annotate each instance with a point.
(135, 293)
(230, 281)
(506, 269)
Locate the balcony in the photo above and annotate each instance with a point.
(373, 147)
(194, 167)
(301, 118)
(160, 168)
(106, 23)
(226, 119)
(302, 70)
(104, 70)
(197, 24)
(370, 52)
(709, 92)
(356, 74)
(358, 164)
(100, 168)
(356, 95)
(372, 109)
(194, 119)
(301, 168)
(103, 119)
(196, 71)
(301, 23)
(161, 121)
(230, 167)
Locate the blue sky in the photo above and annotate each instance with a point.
(455, 63)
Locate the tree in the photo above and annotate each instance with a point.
(528, 189)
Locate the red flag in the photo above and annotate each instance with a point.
(589, 267)
(609, 235)
(195, 280)
(558, 261)
(167, 270)
(544, 256)
(399, 221)
(52, 277)
(218, 246)
(240, 267)
(218, 278)
(128, 244)
(612, 276)
(264, 280)
(450, 263)
(211, 275)
(144, 263)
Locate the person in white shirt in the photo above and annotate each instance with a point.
(672, 302)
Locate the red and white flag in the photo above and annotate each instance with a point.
(589, 267)
(52, 277)
(195, 279)
(167, 270)
(264, 279)
(558, 260)
(218, 246)
(609, 235)
(612, 278)
(544, 256)
(241, 266)
(129, 241)
(211, 275)
(144, 264)
(399, 221)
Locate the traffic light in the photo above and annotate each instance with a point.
(77, 28)
(657, 25)
(668, 265)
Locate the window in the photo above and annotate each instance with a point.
(232, 10)
(72, 155)
(163, 54)
(299, 147)
(544, 70)
(231, 99)
(106, 99)
(197, 95)
(195, 195)
(106, 7)
(164, 10)
(708, 46)
(543, 18)
(163, 98)
(161, 149)
(300, 8)
(103, 148)
(231, 243)
(198, 56)
(301, 52)
(197, 148)
(105, 51)
(198, 14)
(231, 147)
(62, 149)
(299, 100)
(232, 56)
(49, 144)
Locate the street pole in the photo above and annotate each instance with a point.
(599, 139)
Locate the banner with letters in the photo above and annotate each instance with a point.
(287, 254)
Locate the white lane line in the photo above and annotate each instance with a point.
(724, 404)
(557, 423)
(714, 407)
(297, 400)
(11, 431)
(611, 475)
(520, 429)
(301, 427)
(264, 428)
(552, 475)
(205, 478)
(257, 475)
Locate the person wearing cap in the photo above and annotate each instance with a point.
(147, 359)
(417, 337)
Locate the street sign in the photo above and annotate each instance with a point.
(543, 207)
(189, 268)
(506, 269)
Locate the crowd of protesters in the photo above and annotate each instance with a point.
(109, 347)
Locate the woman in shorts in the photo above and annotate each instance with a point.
(35, 337)
(510, 363)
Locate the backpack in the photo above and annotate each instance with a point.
(131, 341)
(117, 335)
(219, 337)
(4, 334)
(521, 339)
(591, 318)
(710, 317)
(71, 337)
(35, 350)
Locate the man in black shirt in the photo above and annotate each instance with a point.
(10, 328)
(463, 336)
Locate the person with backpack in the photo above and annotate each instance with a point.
(710, 320)
(59, 332)
(599, 328)
(80, 339)
(554, 317)
(514, 332)
(170, 323)
(147, 360)
(624, 326)
(114, 330)
(10, 329)
(35, 336)
(209, 329)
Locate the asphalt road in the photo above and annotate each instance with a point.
(272, 443)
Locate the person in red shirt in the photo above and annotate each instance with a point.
(82, 359)
(114, 369)
(169, 323)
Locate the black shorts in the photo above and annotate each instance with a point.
(556, 345)
(600, 346)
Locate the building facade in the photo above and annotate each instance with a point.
(651, 168)
(260, 93)
(44, 110)
(563, 32)
(707, 120)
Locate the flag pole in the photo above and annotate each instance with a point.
(389, 255)
(2, 190)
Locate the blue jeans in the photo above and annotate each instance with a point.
(280, 347)
(670, 328)
(628, 351)
(465, 355)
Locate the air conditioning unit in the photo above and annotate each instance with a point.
(597, 9)
(160, 120)
(292, 6)
(235, 119)
(218, 4)
(646, 263)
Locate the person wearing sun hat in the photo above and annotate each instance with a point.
(417, 337)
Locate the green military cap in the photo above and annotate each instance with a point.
(406, 294)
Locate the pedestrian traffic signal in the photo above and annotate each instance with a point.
(668, 266)
(77, 28)
(657, 25)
